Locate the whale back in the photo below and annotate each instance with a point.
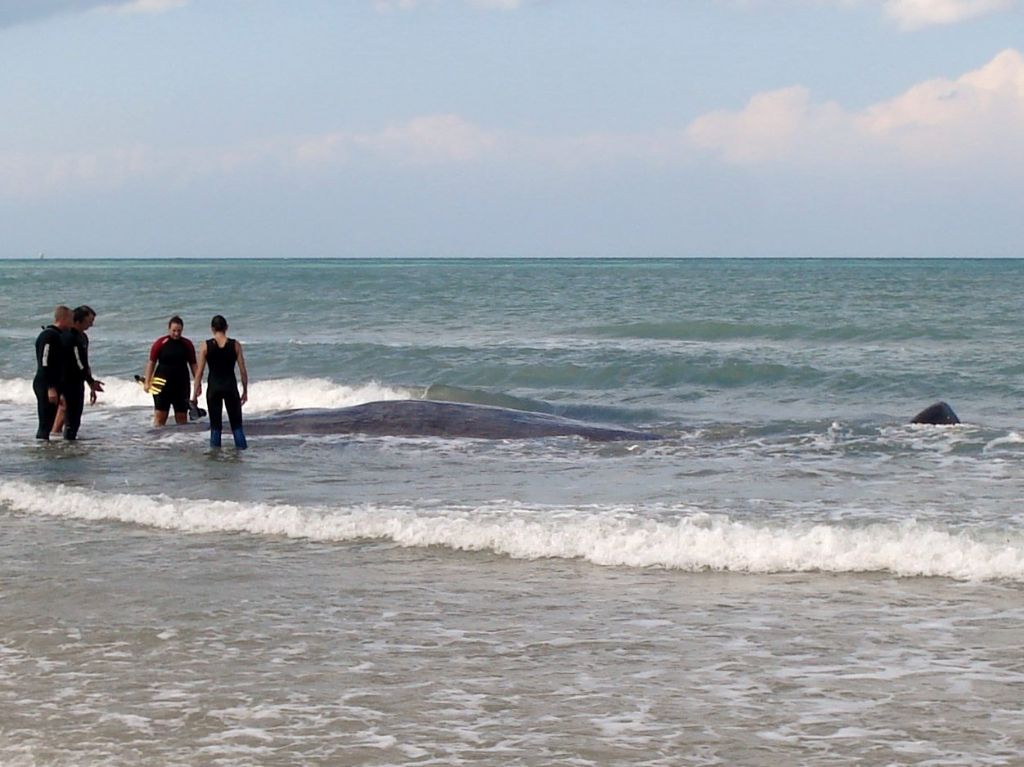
(428, 418)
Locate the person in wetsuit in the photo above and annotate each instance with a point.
(50, 370)
(76, 371)
(171, 357)
(222, 354)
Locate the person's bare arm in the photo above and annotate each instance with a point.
(243, 373)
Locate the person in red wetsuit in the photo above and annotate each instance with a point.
(171, 358)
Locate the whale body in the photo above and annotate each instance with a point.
(428, 418)
(939, 414)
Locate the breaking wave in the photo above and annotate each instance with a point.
(685, 539)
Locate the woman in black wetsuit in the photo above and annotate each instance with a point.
(221, 354)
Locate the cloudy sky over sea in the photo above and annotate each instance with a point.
(205, 128)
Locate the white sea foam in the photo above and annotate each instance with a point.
(17, 391)
(1013, 438)
(286, 393)
(614, 536)
(264, 395)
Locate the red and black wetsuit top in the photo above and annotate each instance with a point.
(173, 358)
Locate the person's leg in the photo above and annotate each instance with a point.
(161, 408)
(214, 403)
(233, 403)
(46, 410)
(180, 402)
(58, 418)
(74, 403)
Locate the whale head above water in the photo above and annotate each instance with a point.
(939, 414)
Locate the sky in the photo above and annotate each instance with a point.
(511, 128)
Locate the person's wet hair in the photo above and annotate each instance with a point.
(82, 312)
(176, 320)
(218, 324)
(61, 312)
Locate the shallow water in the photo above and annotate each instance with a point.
(794, 575)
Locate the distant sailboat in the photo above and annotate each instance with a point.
(41, 255)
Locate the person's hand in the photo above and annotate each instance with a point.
(245, 396)
(197, 391)
(97, 385)
(92, 396)
(52, 395)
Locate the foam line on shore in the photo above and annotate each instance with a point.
(265, 396)
(610, 536)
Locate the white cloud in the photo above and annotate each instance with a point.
(502, 5)
(423, 141)
(909, 14)
(772, 126)
(979, 116)
(146, 6)
(507, 5)
(913, 14)
(28, 176)
(14, 12)
(972, 123)
(429, 140)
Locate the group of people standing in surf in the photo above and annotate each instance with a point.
(62, 371)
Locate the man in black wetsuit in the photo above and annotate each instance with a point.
(49, 370)
(76, 370)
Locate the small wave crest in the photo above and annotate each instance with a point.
(288, 393)
(692, 541)
(722, 330)
(580, 412)
(264, 396)
(448, 393)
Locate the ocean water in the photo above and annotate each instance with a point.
(793, 576)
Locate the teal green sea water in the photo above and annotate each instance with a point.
(793, 575)
(686, 339)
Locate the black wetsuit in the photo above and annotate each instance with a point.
(76, 374)
(49, 375)
(173, 358)
(221, 386)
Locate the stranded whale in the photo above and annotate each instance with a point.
(428, 418)
(939, 414)
(431, 418)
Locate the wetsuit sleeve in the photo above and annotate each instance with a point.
(154, 350)
(50, 360)
(82, 360)
(190, 350)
